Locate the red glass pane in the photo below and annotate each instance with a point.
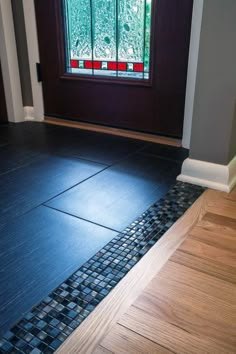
(88, 64)
(122, 66)
(112, 65)
(97, 64)
(74, 63)
(139, 67)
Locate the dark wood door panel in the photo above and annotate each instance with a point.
(158, 108)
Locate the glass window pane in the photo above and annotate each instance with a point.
(104, 29)
(108, 37)
(131, 30)
(147, 36)
(79, 29)
(79, 41)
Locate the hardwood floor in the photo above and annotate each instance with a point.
(189, 302)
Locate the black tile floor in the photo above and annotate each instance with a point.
(71, 203)
(119, 194)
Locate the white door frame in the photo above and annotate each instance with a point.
(33, 53)
(9, 63)
(12, 79)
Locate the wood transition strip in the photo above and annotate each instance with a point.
(115, 131)
(91, 332)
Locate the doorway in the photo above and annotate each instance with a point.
(116, 63)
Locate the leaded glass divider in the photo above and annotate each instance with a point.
(108, 37)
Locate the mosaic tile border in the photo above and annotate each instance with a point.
(48, 325)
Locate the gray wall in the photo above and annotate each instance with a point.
(214, 118)
(232, 151)
(22, 50)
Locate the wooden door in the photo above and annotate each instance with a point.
(3, 108)
(151, 101)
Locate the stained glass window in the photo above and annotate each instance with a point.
(108, 37)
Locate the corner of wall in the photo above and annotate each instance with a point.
(192, 71)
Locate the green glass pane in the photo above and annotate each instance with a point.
(79, 29)
(131, 30)
(104, 29)
(108, 37)
(147, 35)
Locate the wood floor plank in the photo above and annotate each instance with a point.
(211, 267)
(190, 310)
(121, 340)
(231, 195)
(168, 335)
(227, 224)
(204, 304)
(101, 350)
(199, 281)
(226, 208)
(205, 251)
(215, 237)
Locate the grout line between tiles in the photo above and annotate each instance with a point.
(66, 190)
(80, 218)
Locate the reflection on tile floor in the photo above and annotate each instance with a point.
(48, 324)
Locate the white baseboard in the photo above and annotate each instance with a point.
(29, 114)
(220, 177)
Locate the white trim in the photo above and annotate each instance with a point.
(33, 52)
(9, 63)
(29, 113)
(192, 71)
(220, 177)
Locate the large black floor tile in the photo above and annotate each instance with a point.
(97, 147)
(38, 252)
(3, 143)
(3, 140)
(26, 132)
(13, 156)
(119, 194)
(28, 187)
(167, 151)
(102, 148)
